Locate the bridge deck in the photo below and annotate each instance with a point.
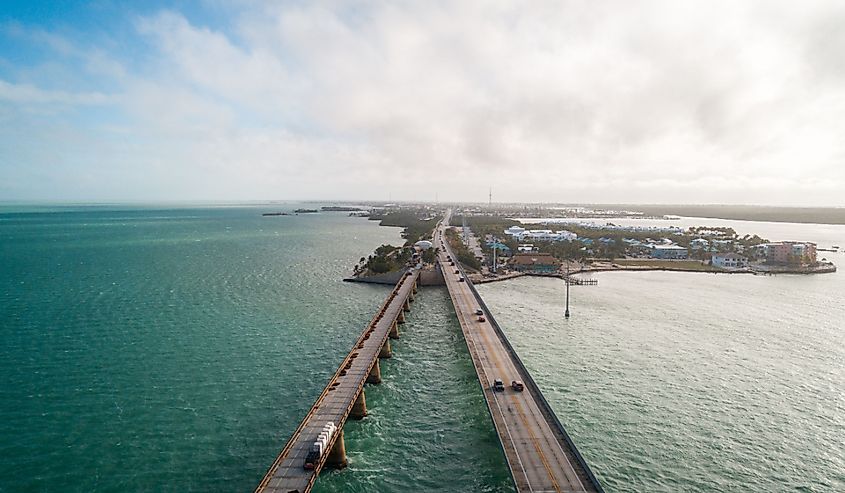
(335, 402)
(540, 454)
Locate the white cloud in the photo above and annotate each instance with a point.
(25, 94)
(571, 101)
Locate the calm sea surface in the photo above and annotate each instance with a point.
(151, 349)
(694, 382)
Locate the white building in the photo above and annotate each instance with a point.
(699, 243)
(522, 234)
(515, 231)
(729, 261)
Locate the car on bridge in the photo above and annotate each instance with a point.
(517, 385)
(482, 319)
(311, 460)
(498, 385)
(479, 312)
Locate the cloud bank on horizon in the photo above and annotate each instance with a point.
(564, 101)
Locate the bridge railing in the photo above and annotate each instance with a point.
(528, 379)
(275, 465)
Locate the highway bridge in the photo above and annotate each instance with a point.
(540, 455)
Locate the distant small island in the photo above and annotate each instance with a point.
(337, 208)
(275, 214)
(306, 211)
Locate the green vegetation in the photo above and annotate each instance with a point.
(418, 223)
(386, 258)
(429, 256)
(462, 253)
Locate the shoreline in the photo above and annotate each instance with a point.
(560, 275)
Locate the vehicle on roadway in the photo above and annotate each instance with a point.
(482, 319)
(460, 279)
(517, 385)
(479, 312)
(498, 385)
(311, 460)
(457, 271)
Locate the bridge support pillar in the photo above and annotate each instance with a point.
(394, 331)
(385, 352)
(401, 318)
(375, 374)
(359, 409)
(414, 289)
(407, 305)
(337, 455)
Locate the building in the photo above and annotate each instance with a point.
(501, 247)
(525, 247)
(699, 244)
(722, 245)
(515, 231)
(668, 252)
(522, 234)
(729, 261)
(789, 252)
(541, 263)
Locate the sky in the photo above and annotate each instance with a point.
(674, 101)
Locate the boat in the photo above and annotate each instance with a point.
(275, 214)
(306, 211)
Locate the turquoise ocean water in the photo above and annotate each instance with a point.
(165, 349)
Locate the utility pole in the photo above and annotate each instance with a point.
(566, 313)
(490, 198)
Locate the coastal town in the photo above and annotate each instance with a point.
(495, 245)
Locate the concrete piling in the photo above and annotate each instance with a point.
(375, 374)
(394, 331)
(337, 455)
(385, 352)
(359, 408)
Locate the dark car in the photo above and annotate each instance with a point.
(482, 319)
(517, 385)
(457, 271)
(311, 460)
(498, 385)
(460, 279)
(479, 312)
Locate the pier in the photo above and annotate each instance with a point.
(343, 398)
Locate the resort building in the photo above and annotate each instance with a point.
(541, 263)
(789, 252)
(522, 234)
(699, 244)
(668, 252)
(729, 261)
(515, 231)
